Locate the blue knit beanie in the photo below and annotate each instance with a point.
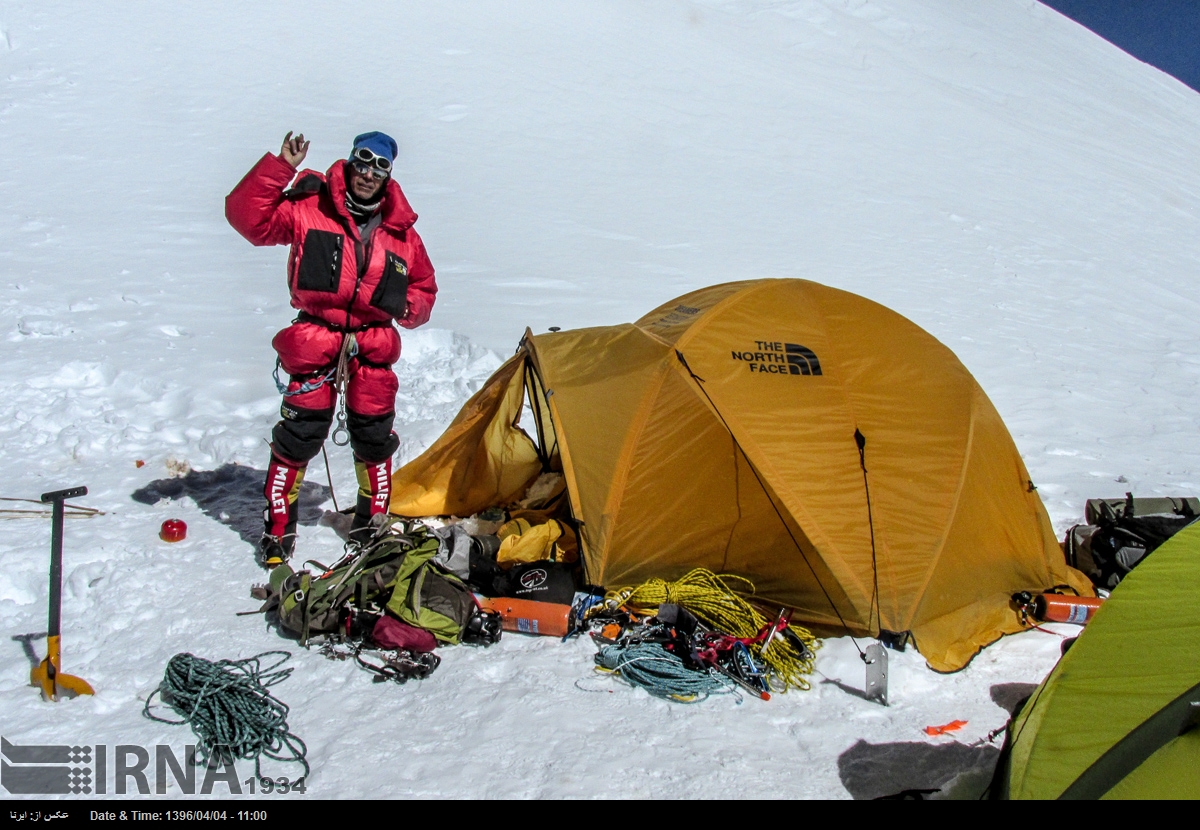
(378, 143)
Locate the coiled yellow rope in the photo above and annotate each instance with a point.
(719, 602)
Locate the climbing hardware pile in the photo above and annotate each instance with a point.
(697, 636)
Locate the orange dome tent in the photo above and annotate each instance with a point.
(719, 431)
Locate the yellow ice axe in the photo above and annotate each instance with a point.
(48, 675)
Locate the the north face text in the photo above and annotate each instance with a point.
(771, 357)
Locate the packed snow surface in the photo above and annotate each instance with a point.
(1017, 186)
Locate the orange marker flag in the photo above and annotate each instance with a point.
(952, 726)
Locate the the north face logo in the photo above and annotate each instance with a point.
(771, 357)
(801, 360)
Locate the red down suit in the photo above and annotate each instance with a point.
(344, 286)
(338, 281)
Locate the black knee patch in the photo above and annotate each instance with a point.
(371, 436)
(301, 433)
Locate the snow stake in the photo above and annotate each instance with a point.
(877, 673)
(47, 675)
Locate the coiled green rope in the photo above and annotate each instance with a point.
(227, 704)
(662, 674)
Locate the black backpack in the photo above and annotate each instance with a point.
(1120, 539)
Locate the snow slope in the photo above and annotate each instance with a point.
(1019, 187)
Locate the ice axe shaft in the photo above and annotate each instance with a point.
(48, 675)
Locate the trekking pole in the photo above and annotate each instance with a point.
(48, 674)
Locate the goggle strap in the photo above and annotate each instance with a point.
(366, 156)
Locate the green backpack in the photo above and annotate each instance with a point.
(393, 570)
(308, 604)
(425, 596)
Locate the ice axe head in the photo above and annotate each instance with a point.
(53, 683)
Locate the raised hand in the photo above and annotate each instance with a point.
(294, 149)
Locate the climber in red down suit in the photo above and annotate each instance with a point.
(356, 266)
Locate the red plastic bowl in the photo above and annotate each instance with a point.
(173, 530)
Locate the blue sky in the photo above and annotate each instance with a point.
(1163, 33)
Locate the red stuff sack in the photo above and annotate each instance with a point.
(390, 632)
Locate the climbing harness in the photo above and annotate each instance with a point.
(313, 385)
(338, 374)
(227, 704)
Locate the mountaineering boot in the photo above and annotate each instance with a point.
(374, 495)
(282, 491)
(273, 551)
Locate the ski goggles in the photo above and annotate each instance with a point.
(372, 172)
(371, 159)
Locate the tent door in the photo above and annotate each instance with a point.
(547, 439)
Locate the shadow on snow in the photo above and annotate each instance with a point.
(232, 495)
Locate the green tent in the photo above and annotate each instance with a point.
(1119, 717)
